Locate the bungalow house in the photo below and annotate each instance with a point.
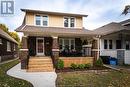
(114, 41)
(49, 36)
(8, 47)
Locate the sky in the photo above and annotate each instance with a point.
(100, 12)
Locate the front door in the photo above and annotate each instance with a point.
(40, 46)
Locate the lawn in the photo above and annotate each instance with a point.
(85, 79)
(8, 81)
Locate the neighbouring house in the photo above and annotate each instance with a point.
(8, 47)
(49, 36)
(114, 41)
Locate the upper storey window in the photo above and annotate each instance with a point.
(69, 22)
(38, 20)
(41, 20)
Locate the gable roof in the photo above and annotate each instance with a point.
(109, 28)
(7, 36)
(54, 13)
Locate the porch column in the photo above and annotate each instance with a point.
(23, 55)
(98, 55)
(55, 50)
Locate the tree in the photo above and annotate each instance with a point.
(15, 36)
(12, 34)
(126, 10)
(4, 28)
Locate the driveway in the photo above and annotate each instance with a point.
(38, 79)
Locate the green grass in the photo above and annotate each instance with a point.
(8, 81)
(82, 79)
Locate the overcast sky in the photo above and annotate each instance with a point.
(100, 12)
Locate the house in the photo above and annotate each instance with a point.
(8, 47)
(114, 41)
(49, 36)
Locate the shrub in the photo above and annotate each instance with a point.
(81, 66)
(60, 64)
(74, 66)
(87, 66)
(99, 63)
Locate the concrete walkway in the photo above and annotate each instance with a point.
(8, 61)
(118, 68)
(38, 79)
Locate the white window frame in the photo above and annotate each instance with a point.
(69, 23)
(41, 20)
(63, 43)
(8, 46)
(0, 40)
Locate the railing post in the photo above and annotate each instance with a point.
(23, 55)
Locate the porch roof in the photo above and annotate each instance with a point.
(110, 28)
(54, 30)
(7, 36)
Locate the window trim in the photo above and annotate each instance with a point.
(0, 40)
(41, 21)
(69, 21)
(8, 47)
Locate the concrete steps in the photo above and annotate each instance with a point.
(40, 64)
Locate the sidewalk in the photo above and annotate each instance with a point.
(38, 79)
(8, 61)
(117, 67)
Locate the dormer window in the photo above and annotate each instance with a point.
(69, 22)
(41, 20)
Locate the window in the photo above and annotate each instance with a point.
(0, 41)
(69, 21)
(45, 20)
(41, 20)
(72, 44)
(38, 20)
(118, 44)
(127, 45)
(110, 44)
(72, 22)
(105, 44)
(8, 46)
(14, 47)
(67, 44)
(66, 22)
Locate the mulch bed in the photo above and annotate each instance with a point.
(68, 69)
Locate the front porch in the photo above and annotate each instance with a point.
(116, 45)
(67, 46)
(73, 48)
